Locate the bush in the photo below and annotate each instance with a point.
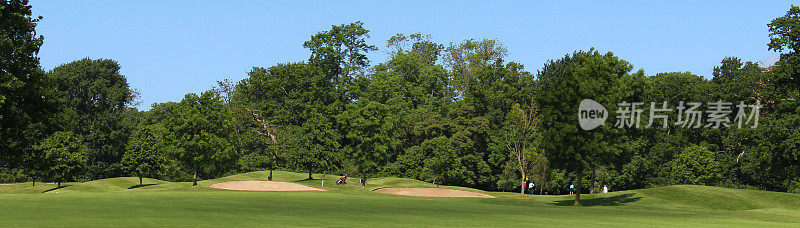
(12, 175)
(696, 165)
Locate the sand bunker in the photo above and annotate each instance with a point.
(266, 186)
(432, 192)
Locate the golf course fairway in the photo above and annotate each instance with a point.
(121, 202)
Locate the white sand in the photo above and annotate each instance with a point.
(432, 192)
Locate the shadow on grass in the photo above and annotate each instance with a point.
(602, 201)
(301, 180)
(139, 186)
(56, 188)
(315, 179)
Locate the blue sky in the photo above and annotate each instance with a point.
(170, 48)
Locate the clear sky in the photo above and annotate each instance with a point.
(170, 48)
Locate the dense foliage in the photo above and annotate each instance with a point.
(23, 104)
(63, 156)
(146, 152)
(456, 114)
(92, 99)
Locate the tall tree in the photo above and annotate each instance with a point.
(487, 86)
(199, 125)
(407, 89)
(93, 100)
(23, 99)
(311, 146)
(785, 38)
(563, 83)
(147, 151)
(65, 155)
(341, 53)
(520, 137)
(267, 130)
(289, 99)
(369, 128)
(768, 155)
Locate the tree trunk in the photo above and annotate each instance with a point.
(34, 182)
(194, 177)
(522, 189)
(59, 184)
(593, 181)
(309, 175)
(578, 187)
(140, 180)
(272, 165)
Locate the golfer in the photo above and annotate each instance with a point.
(530, 187)
(571, 189)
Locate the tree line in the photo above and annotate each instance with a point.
(456, 114)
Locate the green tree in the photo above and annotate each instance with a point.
(411, 77)
(646, 162)
(487, 87)
(311, 146)
(447, 149)
(784, 83)
(696, 165)
(735, 80)
(563, 83)
(93, 99)
(784, 32)
(539, 168)
(767, 157)
(198, 126)
(770, 158)
(442, 163)
(146, 152)
(340, 53)
(520, 138)
(65, 154)
(409, 88)
(258, 159)
(267, 139)
(285, 94)
(289, 99)
(369, 128)
(24, 101)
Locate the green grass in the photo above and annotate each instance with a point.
(118, 202)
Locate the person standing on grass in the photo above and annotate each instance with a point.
(571, 189)
(605, 189)
(530, 187)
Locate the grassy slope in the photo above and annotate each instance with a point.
(110, 202)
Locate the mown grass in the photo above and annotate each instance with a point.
(118, 202)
